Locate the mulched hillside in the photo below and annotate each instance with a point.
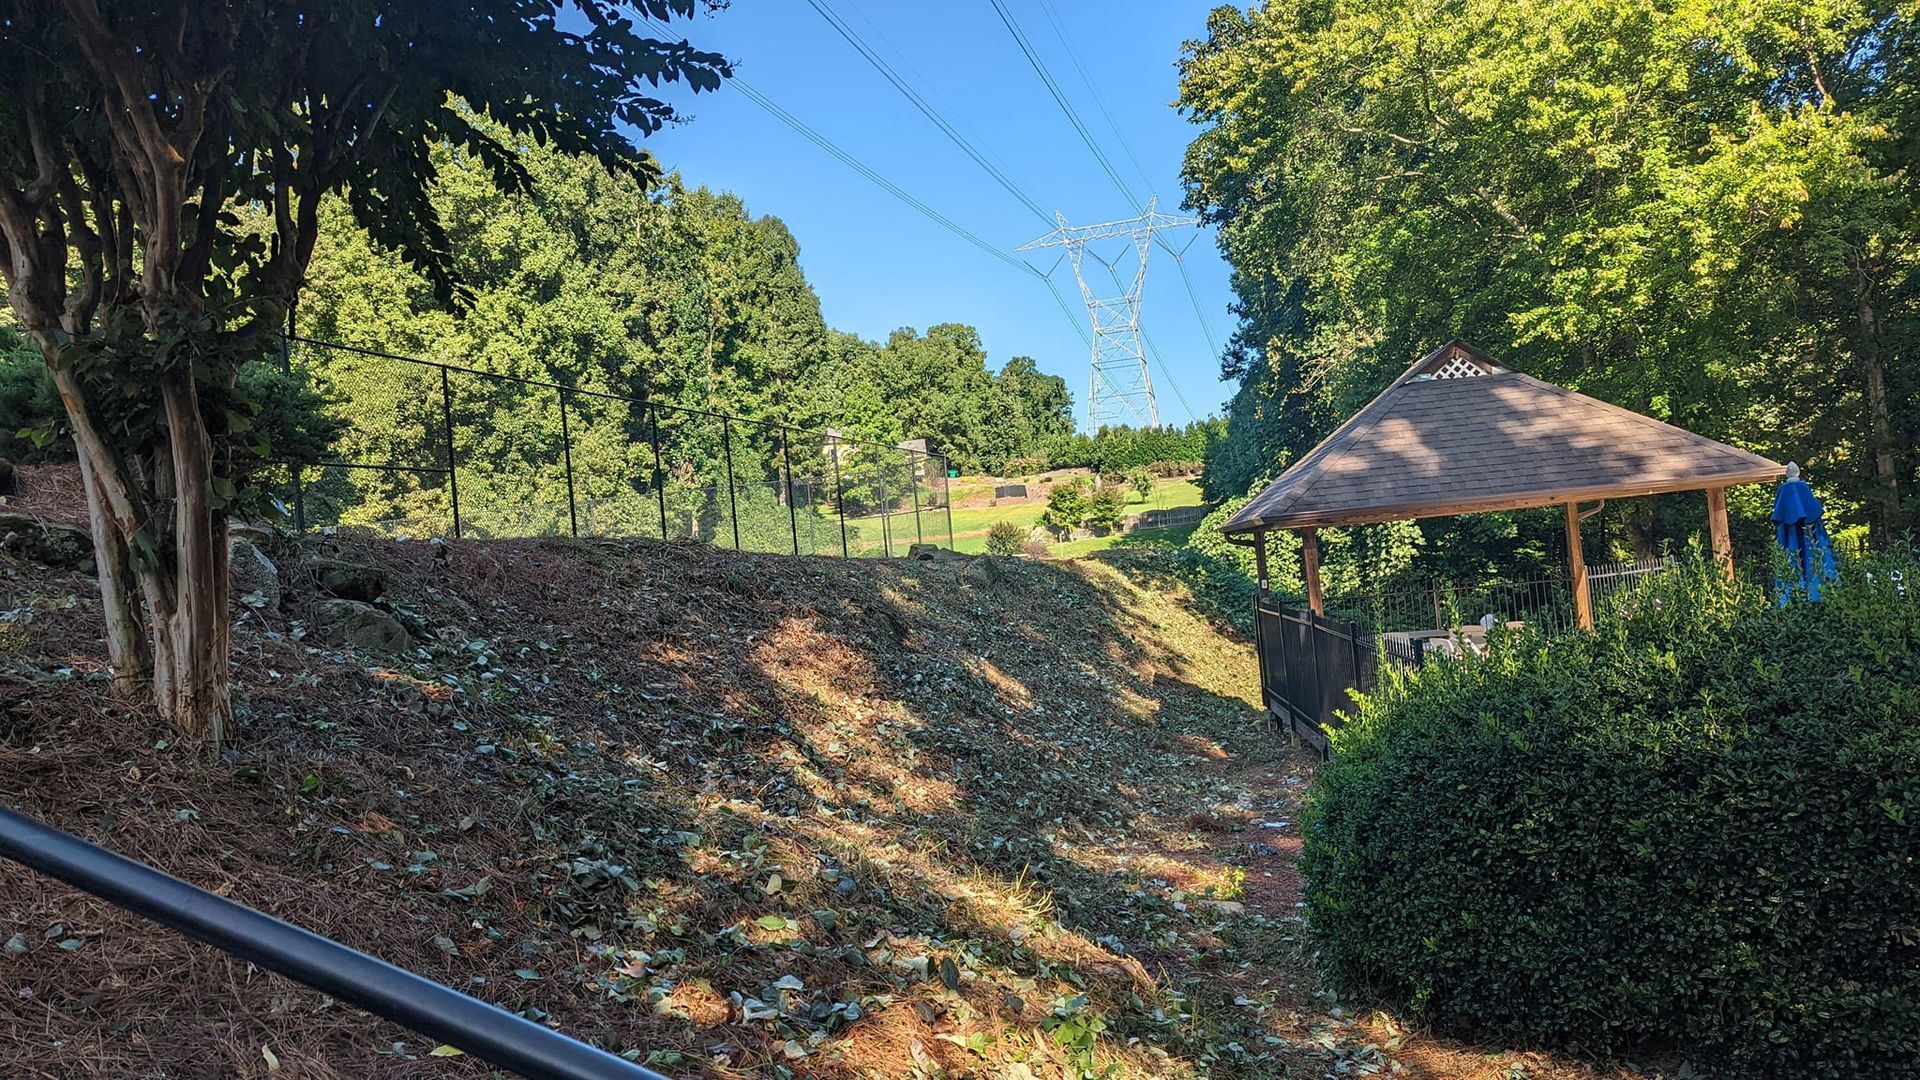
(742, 815)
(736, 815)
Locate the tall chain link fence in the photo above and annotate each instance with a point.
(437, 449)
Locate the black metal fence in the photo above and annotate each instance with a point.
(438, 449)
(1309, 662)
(1545, 601)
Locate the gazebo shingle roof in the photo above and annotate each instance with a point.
(1457, 434)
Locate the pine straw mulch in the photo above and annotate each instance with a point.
(741, 815)
(50, 492)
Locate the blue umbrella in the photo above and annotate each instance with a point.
(1800, 531)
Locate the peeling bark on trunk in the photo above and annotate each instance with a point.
(188, 601)
(166, 617)
(127, 651)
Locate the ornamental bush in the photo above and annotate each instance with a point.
(1005, 538)
(1691, 832)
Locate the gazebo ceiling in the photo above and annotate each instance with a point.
(1458, 434)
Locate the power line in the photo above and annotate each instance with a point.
(927, 110)
(1040, 69)
(894, 189)
(1192, 295)
(860, 167)
(1167, 376)
(1099, 99)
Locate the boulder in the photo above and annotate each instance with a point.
(254, 531)
(62, 547)
(255, 579)
(986, 571)
(352, 624)
(347, 580)
(922, 551)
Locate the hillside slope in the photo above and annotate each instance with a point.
(743, 815)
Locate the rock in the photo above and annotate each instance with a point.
(255, 579)
(922, 551)
(253, 531)
(356, 625)
(1227, 907)
(986, 571)
(9, 480)
(62, 547)
(347, 580)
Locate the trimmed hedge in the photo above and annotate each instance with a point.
(1692, 832)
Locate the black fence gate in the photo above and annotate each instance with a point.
(1308, 662)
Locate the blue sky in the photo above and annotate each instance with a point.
(879, 264)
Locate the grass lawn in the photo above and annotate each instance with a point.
(1175, 534)
(970, 523)
(868, 536)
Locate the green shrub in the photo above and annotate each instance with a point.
(1693, 831)
(27, 398)
(1005, 538)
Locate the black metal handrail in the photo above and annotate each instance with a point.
(438, 1012)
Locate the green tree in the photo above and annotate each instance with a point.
(1067, 507)
(1034, 407)
(1105, 509)
(1140, 479)
(133, 141)
(1703, 213)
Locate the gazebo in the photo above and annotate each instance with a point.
(1458, 434)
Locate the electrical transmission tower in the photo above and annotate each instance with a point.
(1120, 390)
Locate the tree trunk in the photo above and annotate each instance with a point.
(1879, 419)
(181, 659)
(190, 629)
(127, 651)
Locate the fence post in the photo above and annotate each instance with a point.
(659, 471)
(453, 471)
(946, 492)
(793, 514)
(918, 536)
(566, 454)
(299, 485)
(733, 508)
(840, 499)
(886, 532)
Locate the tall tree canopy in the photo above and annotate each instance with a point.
(671, 294)
(1703, 211)
(134, 140)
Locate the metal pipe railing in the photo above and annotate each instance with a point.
(485, 1031)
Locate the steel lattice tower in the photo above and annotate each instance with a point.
(1120, 389)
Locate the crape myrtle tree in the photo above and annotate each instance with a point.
(142, 146)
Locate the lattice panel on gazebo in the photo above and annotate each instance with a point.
(1458, 367)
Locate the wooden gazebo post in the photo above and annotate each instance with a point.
(1310, 569)
(1577, 571)
(1717, 533)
